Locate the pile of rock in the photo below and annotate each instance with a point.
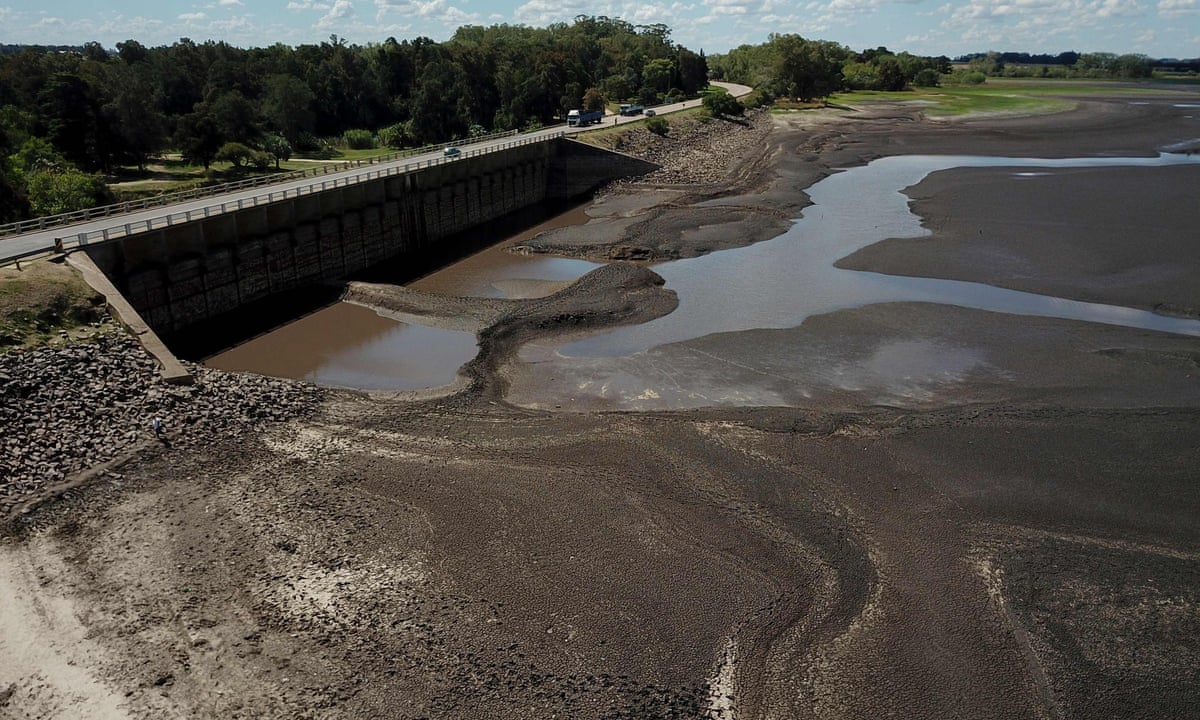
(68, 407)
(696, 151)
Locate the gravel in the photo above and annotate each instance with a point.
(70, 406)
(695, 151)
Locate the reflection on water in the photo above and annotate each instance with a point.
(773, 284)
(779, 283)
(497, 272)
(346, 345)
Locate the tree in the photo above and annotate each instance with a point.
(52, 192)
(235, 153)
(593, 99)
(198, 138)
(68, 111)
(807, 69)
(235, 117)
(396, 136)
(278, 147)
(891, 74)
(132, 51)
(860, 76)
(14, 131)
(287, 106)
(927, 78)
(693, 71)
(657, 74)
(722, 103)
(134, 115)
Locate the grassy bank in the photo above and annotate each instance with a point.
(41, 299)
(956, 101)
(999, 95)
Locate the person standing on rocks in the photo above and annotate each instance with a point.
(160, 428)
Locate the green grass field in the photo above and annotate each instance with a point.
(999, 95)
(170, 173)
(955, 101)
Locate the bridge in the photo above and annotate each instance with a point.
(201, 260)
(40, 235)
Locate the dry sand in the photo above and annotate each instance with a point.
(1025, 549)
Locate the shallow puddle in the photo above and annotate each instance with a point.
(669, 362)
(780, 282)
(345, 345)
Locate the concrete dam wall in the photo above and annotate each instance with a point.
(188, 273)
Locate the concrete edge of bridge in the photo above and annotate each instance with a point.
(170, 368)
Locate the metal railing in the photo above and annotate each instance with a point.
(81, 216)
(132, 228)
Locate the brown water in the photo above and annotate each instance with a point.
(344, 345)
(774, 284)
(497, 272)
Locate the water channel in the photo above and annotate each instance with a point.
(773, 284)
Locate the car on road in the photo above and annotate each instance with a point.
(649, 113)
(451, 152)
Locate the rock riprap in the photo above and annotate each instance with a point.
(695, 151)
(65, 408)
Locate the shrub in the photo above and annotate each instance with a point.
(658, 125)
(927, 78)
(761, 97)
(235, 153)
(962, 76)
(307, 142)
(261, 160)
(396, 136)
(722, 103)
(60, 191)
(359, 139)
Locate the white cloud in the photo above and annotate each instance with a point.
(1174, 8)
(192, 17)
(50, 22)
(439, 11)
(341, 10)
(543, 12)
(126, 27)
(229, 3)
(1119, 8)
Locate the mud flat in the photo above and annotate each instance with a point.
(1018, 543)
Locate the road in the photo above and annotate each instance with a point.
(116, 226)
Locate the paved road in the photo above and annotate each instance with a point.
(160, 216)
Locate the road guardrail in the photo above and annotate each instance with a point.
(119, 230)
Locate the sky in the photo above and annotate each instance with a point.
(1159, 28)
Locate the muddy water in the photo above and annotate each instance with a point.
(497, 272)
(344, 345)
(779, 283)
(678, 360)
(774, 284)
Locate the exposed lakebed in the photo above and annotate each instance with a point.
(769, 285)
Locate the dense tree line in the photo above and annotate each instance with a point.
(66, 113)
(795, 67)
(1066, 65)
